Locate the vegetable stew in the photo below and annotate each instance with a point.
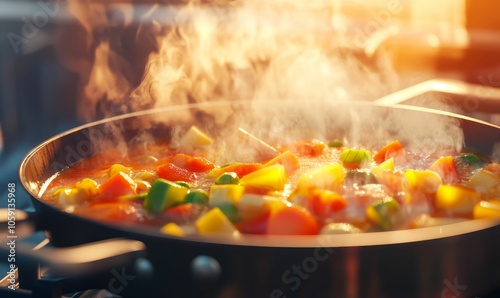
(307, 187)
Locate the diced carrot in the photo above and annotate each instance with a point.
(241, 169)
(287, 159)
(190, 163)
(393, 149)
(445, 167)
(172, 172)
(117, 185)
(324, 203)
(291, 220)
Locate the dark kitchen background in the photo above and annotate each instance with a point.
(46, 57)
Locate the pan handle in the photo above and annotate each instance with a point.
(69, 261)
(481, 98)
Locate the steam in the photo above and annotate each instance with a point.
(244, 50)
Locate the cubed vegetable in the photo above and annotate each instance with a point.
(291, 220)
(190, 163)
(487, 209)
(194, 137)
(114, 169)
(394, 150)
(228, 178)
(172, 172)
(456, 199)
(226, 193)
(196, 196)
(252, 205)
(418, 183)
(324, 203)
(445, 167)
(355, 158)
(117, 185)
(467, 163)
(69, 196)
(215, 222)
(172, 229)
(273, 177)
(256, 225)
(387, 165)
(383, 212)
(287, 159)
(486, 182)
(164, 194)
(329, 177)
(89, 186)
(230, 210)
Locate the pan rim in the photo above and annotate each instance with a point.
(339, 240)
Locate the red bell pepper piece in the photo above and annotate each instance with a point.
(172, 172)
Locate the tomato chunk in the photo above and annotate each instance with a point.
(291, 220)
(190, 163)
(172, 172)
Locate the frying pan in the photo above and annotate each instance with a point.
(458, 259)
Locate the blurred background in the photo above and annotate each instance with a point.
(49, 50)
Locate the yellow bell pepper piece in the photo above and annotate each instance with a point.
(224, 194)
(194, 137)
(89, 186)
(329, 177)
(456, 199)
(215, 222)
(487, 209)
(273, 177)
(172, 229)
(114, 169)
(418, 185)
